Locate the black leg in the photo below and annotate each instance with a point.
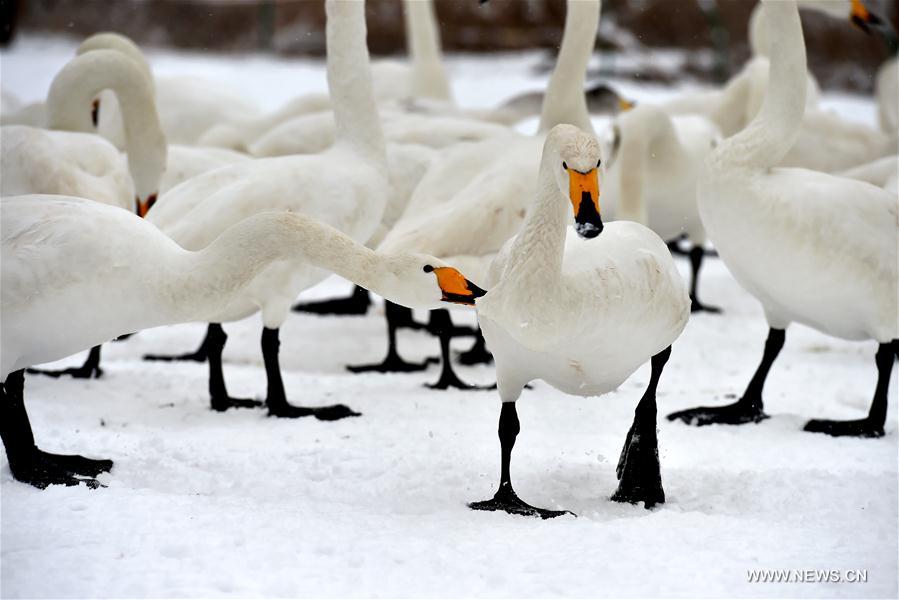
(218, 392)
(696, 255)
(276, 400)
(28, 463)
(872, 425)
(397, 316)
(478, 353)
(441, 325)
(201, 354)
(89, 370)
(639, 473)
(356, 303)
(505, 498)
(749, 408)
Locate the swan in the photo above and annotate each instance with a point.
(733, 106)
(477, 195)
(77, 273)
(887, 88)
(658, 158)
(882, 172)
(811, 247)
(346, 187)
(83, 164)
(581, 311)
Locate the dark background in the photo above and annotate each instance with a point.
(713, 32)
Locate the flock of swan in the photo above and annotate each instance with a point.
(131, 202)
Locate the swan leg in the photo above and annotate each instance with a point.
(28, 463)
(872, 425)
(397, 316)
(89, 370)
(276, 400)
(478, 353)
(639, 472)
(199, 355)
(356, 303)
(505, 498)
(697, 253)
(749, 408)
(218, 393)
(442, 325)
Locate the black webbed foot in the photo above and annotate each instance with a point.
(863, 428)
(737, 413)
(42, 469)
(507, 500)
(322, 413)
(223, 403)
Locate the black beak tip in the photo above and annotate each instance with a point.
(588, 231)
(476, 292)
(862, 24)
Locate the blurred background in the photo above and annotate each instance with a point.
(646, 40)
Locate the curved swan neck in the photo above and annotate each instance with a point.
(233, 259)
(76, 86)
(774, 130)
(644, 130)
(537, 252)
(564, 101)
(423, 43)
(350, 81)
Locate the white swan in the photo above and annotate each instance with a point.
(581, 314)
(83, 164)
(345, 187)
(477, 195)
(811, 247)
(887, 89)
(77, 273)
(653, 162)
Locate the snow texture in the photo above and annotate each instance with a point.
(202, 504)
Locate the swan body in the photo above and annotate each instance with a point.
(881, 172)
(79, 161)
(187, 162)
(813, 248)
(36, 160)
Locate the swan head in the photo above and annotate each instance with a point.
(424, 282)
(604, 99)
(574, 158)
(862, 18)
(147, 163)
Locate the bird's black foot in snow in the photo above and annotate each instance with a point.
(89, 370)
(697, 306)
(507, 500)
(322, 413)
(42, 469)
(737, 413)
(355, 304)
(394, 363)
(860, 428)
(223, 403)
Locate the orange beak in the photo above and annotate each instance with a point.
(455, 287)
(861, 17)
(583, 191)
(144, 207)
(625, 105)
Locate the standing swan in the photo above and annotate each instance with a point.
(811, 247)
(76, 273)
(581, 314)
(345, 187)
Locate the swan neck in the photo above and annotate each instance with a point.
(537, 252)
(350, 81)
(564, 101)
(213, 275)
(774, 130)
(429, 78)
(81, 81)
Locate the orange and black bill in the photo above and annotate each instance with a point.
(455, 287)
(583, 190)
(144, 207)
(862, 18)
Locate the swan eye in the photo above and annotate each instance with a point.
(564, 165)
(428, 268)
(599, 162)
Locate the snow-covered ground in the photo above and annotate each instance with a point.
(204, 504)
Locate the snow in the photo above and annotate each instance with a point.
(203, 504)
